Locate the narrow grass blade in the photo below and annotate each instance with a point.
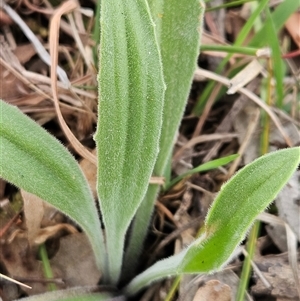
(246, 273)
(96, 33)
(178, 28)
(277, 61)
(238, 42)
(35, 161)
(203, 167)
(234, 210)
(251, 51)
(226, 5)
(131, 94)
(279, 17)
(46, 266)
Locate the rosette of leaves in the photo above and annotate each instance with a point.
(148, 53)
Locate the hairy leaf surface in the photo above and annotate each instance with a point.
(178, 27)
(131, 93)
(234, 210)
(35, 161)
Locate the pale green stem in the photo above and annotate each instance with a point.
(230, 49)
(173, 289)
(46, 266)
(246, 272)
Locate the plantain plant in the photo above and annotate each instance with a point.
(148, 53)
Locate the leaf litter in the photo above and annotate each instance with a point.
(226, 127)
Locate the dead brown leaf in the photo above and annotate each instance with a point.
(277, 271)
(73, 264)
(53, 231)
(213, 290)
(292, 25)
(288, 203)
(9, 87)
(34, 212)
(24, 52)
(21, 263)
(75, 261)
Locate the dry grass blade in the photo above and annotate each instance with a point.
(44, 55)
(292, 254)
(207, 108)
(201, 139)
(246, 75)
(33, 7)
(157, 180)
(14, 281)
(22, 78)
(247, 139)
(87, 59)
(66, 7)
(252, 96)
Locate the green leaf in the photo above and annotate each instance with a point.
(234, 210)
(203, 167)
(131, 93)
(178, 28)
(35, 161)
